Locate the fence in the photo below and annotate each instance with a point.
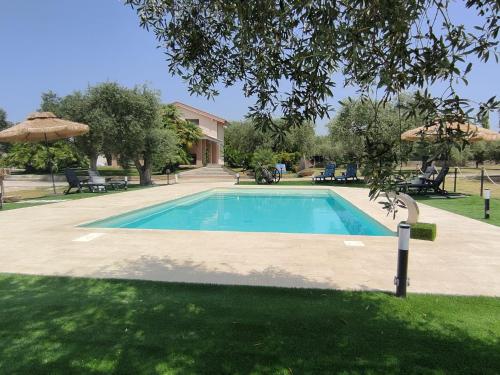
(473, 180)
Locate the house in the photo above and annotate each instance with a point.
(209, 149)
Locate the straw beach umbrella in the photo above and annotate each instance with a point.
(43, 126)
(472, 133)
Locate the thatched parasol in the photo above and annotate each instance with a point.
(43, 126)
(471, 132)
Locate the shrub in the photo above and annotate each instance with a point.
(423, 231)
(33, 157)
(263, 158)
(288, 158)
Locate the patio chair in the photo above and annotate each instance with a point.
(73, 181)
(425, 185)
(110, 181)
(328, 173)
(97, 184)
(429, 172)
(349, 174)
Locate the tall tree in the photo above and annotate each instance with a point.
(4, 124)
(187, 132)
(287, 54)
(352, 132)
(136, 133)
(84, 107)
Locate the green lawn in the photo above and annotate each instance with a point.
(63, 325)
(61, 196)
(472, 206)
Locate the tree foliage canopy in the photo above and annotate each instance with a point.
(290, 55)
(3, 120)
(33, 157)
(287, 53)
(4, 124)
(243, 139)
(124, 122)
(187, 132)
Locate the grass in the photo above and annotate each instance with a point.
(34, 195)
(472, 206)
(63, 325)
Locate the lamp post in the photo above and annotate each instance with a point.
(401, 279)
(237, 178)
(487, 195)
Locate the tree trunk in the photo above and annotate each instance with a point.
(93, 162)
(109, 160)
(144, 170)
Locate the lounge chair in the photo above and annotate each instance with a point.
(114, 183)
(328, 173)
(73, 181)
(349, 174)
(429, 172)
(281, 167)
(424, 185)
(77, 183)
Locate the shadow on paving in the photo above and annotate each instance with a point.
(63, 325)
(168, 269)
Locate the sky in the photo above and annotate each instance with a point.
(67, 45)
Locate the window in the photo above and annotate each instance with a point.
(193, 121)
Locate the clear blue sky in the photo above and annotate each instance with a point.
(66, 45)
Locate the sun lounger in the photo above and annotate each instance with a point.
(424, 185)
(110, 181)
(328, 173)
(349, 175)
(75, 182)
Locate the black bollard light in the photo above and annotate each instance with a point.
(237, 178)
(401, 279)
(487, 195)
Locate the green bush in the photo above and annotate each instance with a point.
(33, 157)
(288, 158)
(423, 231)
(263, 158)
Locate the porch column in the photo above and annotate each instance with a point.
(215, 153)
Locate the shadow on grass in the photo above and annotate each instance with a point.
(64, 325)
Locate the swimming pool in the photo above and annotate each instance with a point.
(253, 210)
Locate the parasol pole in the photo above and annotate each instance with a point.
(50, 163)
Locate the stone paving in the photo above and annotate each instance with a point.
(45, 240)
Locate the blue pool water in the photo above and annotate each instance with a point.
(253, 210)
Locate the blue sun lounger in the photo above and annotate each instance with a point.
(328, 173)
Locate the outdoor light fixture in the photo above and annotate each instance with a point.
(401, 280)
(487, 195)
(237, 178)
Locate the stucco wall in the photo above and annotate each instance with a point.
(208, 126)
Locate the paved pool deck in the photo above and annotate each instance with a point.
(46, 240)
